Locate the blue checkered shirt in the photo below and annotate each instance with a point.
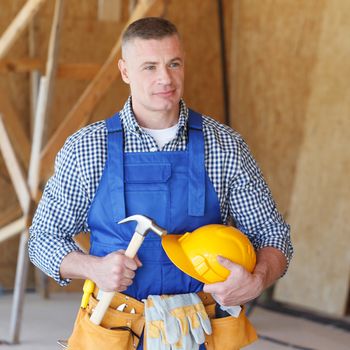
(242, 192)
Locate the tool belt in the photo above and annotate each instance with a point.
(121, 330)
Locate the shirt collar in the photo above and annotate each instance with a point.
(129, 121)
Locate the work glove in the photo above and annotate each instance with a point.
(234, 311)
(155, 329)
(184, 319)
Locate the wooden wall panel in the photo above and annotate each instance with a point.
(320, 206)
(274, 47)
(198, 23)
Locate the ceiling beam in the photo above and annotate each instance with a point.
(74, 71)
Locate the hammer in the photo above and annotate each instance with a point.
(144, 225)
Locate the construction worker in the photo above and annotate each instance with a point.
(157, 158)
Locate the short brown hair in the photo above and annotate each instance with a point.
(149, 28)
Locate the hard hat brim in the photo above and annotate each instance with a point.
(177, 256)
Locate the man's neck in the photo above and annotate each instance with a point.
(156, 119)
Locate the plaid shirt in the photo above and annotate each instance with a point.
(238, 182)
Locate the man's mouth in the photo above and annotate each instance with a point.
(164, 93)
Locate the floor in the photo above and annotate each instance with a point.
(46, 321)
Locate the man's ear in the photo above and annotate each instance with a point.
(123, 70)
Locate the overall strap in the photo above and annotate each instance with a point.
(196, 188)
(115, 166)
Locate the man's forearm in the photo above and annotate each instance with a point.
(77, 265)
(270, 266)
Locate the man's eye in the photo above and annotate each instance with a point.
(174, 65)
(150, 67)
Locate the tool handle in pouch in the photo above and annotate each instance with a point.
(106, 298)
(88, 289)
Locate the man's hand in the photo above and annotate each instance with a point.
(242, 286)
(112, 273)
(239, 288)
(115, 271)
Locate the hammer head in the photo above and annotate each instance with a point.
(144, 225)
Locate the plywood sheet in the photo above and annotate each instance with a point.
(198, 24)
(274, 46)
(320, 206)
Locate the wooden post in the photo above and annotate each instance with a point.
(34, 74)
(51, 63)
(109, 10)
(20, 285)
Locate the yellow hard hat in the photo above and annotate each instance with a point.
(195, 253)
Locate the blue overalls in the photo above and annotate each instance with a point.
(172, 188)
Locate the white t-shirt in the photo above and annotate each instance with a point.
(162, 136)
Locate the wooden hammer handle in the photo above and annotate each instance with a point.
(106, 298)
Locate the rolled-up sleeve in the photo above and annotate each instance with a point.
(60, 215)
(253, 208)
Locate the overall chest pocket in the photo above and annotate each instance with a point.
(147, 191)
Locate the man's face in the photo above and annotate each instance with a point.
(154, 69)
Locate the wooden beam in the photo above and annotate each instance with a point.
(78, 71)
(80, 113)
(21, 65)
(109, 10)
(20, 285)
(15, 128)
(14, 169)
(83, 241)
(34, 78)
(18, 25)
(46, 89)
(10, 214)
(51, 64)
(12, 229)
(132, 4)
(33, 173)
(74, 71)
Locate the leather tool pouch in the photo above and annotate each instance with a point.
(122, 330)
(228, 333)
(118, 330)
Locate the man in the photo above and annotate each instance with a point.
(145, 162)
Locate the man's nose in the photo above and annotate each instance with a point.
(164, 76)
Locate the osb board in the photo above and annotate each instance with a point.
(274, 46)
(198, 24)
(320, 206)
